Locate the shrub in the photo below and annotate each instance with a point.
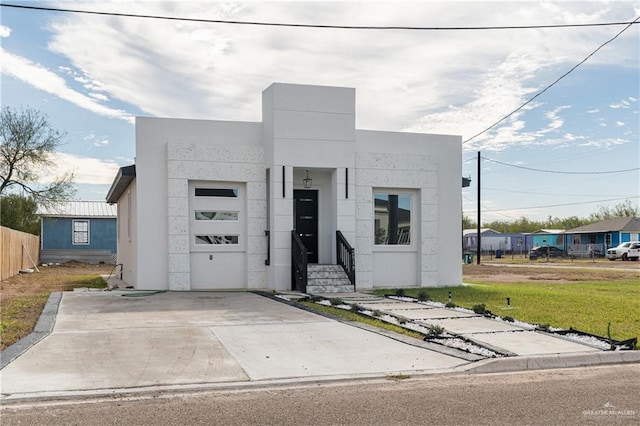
(423, 296)
(543, 327)
(434, 330)
(451, 305)
(508, 319)
(335, 301)
(377, 313)
(479, 309)
(355, 308)
(400, 292)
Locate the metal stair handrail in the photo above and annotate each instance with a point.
(345, 256)
(299, 273)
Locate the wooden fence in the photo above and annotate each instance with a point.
(18, 250)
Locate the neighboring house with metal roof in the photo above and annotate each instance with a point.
(492, 241)
(85, 231)
(604, 234)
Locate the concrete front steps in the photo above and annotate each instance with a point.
(327, 279)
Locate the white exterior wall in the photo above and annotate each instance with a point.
(127, 241)
(304, 128)
(429, 165)
(169, 153)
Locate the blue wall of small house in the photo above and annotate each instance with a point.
(586, 239)
(617, 237)
(629, 236)
(556, 240)
(57, 233)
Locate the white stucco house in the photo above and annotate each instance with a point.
(214, 205)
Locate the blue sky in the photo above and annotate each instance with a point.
(92, 75)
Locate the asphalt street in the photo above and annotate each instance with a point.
(594, 395)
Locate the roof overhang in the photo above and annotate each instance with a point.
(120, 184)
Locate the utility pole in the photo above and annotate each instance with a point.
(479, 239)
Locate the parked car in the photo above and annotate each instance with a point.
(634, 251)
(541, 251)
(620, 252)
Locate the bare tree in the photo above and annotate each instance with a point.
(27, 147)
(623, 209)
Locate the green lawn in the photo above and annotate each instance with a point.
(586, 306)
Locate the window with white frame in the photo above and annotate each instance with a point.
(80, 232)
(392, 216)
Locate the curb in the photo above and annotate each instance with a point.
(544, 362)
(43, 328)
(488, 366)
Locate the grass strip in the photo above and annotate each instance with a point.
(86, 281)
(352, 316)
(20, 314)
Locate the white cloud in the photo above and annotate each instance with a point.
(624, 103)
(4, 31)
(87, 170)
(45, 80)
(84, 79)
(619, 124)
(98, 96)
(572, 137)
(96, 140)
(621, 104)
(593, 111)
(555, 121)
(604, 142)
(404, 79)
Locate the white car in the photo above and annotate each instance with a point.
(621, 251)
(634, 251)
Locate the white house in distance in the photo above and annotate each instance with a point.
(216, 205)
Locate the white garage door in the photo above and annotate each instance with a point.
(217, 235)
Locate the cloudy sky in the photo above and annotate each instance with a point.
(91, 75)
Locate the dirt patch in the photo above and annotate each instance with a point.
(557, 273)
(50, 278)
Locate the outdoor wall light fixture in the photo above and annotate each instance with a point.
(307, 181)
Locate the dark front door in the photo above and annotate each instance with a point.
(305, 211)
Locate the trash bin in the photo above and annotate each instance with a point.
(468, 258)
(498, 254)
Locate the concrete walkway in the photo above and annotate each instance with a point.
(119, 342)
(501, 335)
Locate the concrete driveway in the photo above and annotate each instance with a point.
(111, 340)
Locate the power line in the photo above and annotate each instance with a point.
(553, 195)
(635, 21)
(322, 26)
(563, 205)
(560, 172)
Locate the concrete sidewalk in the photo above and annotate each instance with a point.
(119, 342)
